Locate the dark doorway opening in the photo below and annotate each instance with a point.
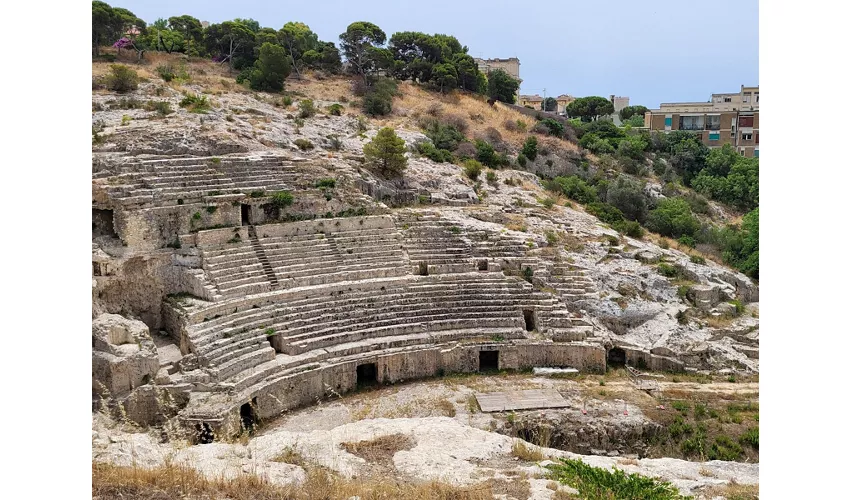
(528, 315)
(616, 357)
(482, 265)
(246, 415)
(367, 375)
(101, 223)
(246, 215)
(488, 361)
(204, 433)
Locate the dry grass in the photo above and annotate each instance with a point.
(290, 455)
(721, 321)
(524, 451)
(167, 482)
(381, 449)
(706, 472)
(514, 487)
(446, 407)
(733, 491)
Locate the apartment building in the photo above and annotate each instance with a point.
(729, 118)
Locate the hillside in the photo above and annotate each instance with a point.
(260, 260)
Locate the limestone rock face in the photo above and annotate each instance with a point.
(123, 356)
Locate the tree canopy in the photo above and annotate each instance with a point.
(359, 44)
(270, 69)
(630, 111)
(502, 86)
(590, 108)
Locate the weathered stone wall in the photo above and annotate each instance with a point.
(310, 386)
(152, 228)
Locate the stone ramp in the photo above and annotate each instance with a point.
(520, 400)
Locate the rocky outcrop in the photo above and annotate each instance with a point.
(123, 355)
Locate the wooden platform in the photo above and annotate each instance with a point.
(520, 400)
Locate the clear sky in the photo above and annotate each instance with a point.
(652, 51)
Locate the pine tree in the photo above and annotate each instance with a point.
(385, 153)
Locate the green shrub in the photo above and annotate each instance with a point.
(528, 274)
(378, 100)
(195, 103)
(608, 214)
(428, 150)
(672, 218)
(596, 483)
(444, 135)
(521, 160)
(667, 270)
(739, 307)
(287, 101)
(697, 259)
(491, 177)
(306, 109)
(547, 202)
(326, 183)
(472, 169)
(687, 240)
(486, 154)
(682, 291)
(574, 188)
(162, 108)
(335, 109)
(723, 448)
(303, 144)
(750, 438)
(122, 78)
(282, 199)
(257, 194)
(166, 72)
(679, 428)
(554, 127)
(529, 148)
(630, 228)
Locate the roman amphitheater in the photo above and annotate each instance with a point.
(220, 311)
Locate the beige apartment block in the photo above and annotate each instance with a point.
(727, 118)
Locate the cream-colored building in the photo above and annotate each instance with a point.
(535, 101)
(509, 65)
(728, 118)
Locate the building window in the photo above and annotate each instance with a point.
(727, 99)
(756, 153)
(757, 98)
(712, 122)
(745, 121)
(746, 137)
(668, 122)
(746, 98)
(691, 123)
(714, 136)
(757, 137)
